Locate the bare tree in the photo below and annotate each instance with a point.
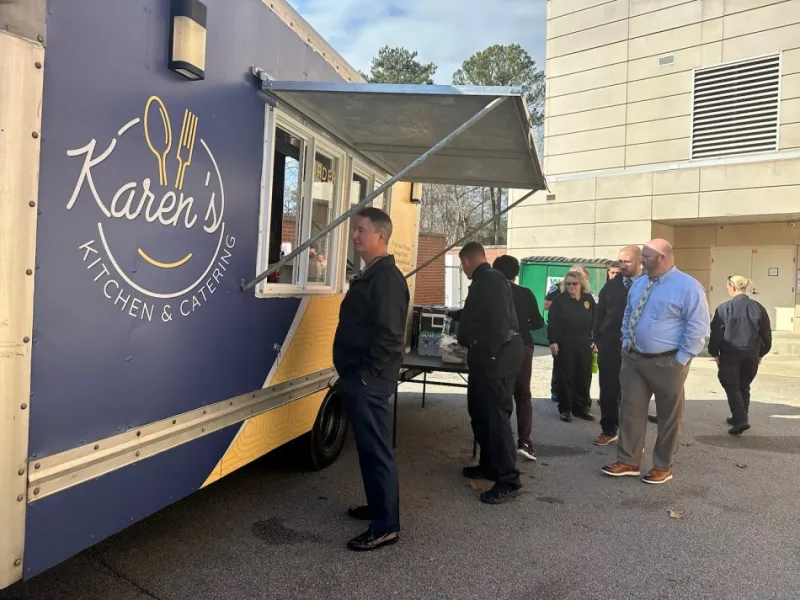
(454, 210)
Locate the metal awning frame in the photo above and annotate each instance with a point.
(380, 190)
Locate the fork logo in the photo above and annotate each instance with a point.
(159, 248)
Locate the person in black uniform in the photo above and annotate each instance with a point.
(552, 293)
(740, 337)
(367, 354)
(569, 330)
(529, 319)
(608, 338)
(488, 327)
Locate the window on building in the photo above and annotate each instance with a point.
(735, 108)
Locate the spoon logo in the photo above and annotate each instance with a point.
(160, 249)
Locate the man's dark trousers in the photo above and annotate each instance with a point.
(490, 402)
(737, 369)
(367, 408)
(609, 361)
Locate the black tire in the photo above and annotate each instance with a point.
(321, 446)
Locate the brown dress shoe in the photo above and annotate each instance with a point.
(619, 469)
(605, 440)
(657, 477)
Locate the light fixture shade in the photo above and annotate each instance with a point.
(187, 39)
(416, 193)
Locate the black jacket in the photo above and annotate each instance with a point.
(528, 315)
(613, 298)
(741, 323)
(370, 337)
(488, 317)
(570, 321)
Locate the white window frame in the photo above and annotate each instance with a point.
(312, 140)
(334, 249)
(350, 162)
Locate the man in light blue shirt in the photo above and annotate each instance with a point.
(665, 326)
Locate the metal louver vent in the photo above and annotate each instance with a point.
(735, 108)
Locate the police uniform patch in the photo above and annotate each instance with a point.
(586, 304)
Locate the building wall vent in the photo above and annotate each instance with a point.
(735, 108)
(669, 59)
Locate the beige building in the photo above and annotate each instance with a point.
(677, 119)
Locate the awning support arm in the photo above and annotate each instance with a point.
(469, 234)
(370, 197)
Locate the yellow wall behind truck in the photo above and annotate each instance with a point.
(310, 349)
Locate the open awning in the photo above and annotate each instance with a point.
(393, 125)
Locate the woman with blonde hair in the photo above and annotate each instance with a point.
(740, 337)
(569, 330)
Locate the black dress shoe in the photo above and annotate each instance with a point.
(477, 472)
(566, 417)
(359, 512)
(729, 420)
(739, 429)
(586, 416)
(370, 541)
(652, 418)
(500, 493)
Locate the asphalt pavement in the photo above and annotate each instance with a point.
(269, 532)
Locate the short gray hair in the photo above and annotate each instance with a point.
(381, 221)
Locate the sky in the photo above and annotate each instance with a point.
(444, 32)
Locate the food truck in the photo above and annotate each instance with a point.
(176, 181)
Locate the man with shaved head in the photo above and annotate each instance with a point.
(608, 338)
(664, 327)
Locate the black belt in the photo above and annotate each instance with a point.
(657, 355)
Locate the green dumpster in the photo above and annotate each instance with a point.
(538, 273)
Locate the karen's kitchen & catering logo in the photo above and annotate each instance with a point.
(157, 248)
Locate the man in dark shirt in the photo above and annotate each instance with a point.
(530, 319)
(740, 337)
(608, 338)
(488, 327)
(367, 353)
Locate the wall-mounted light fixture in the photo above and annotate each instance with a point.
(187, 39)
(416, 193)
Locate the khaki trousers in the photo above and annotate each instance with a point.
(642, 377)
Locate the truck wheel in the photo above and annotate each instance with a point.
(321, 446)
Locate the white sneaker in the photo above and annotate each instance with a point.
(526, 452)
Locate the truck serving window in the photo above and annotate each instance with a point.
(302, 192)
(308, 180)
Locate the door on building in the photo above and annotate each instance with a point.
(772, 271)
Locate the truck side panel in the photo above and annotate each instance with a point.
(138, 312)
(64, 524)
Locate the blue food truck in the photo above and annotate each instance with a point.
(176, 179)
